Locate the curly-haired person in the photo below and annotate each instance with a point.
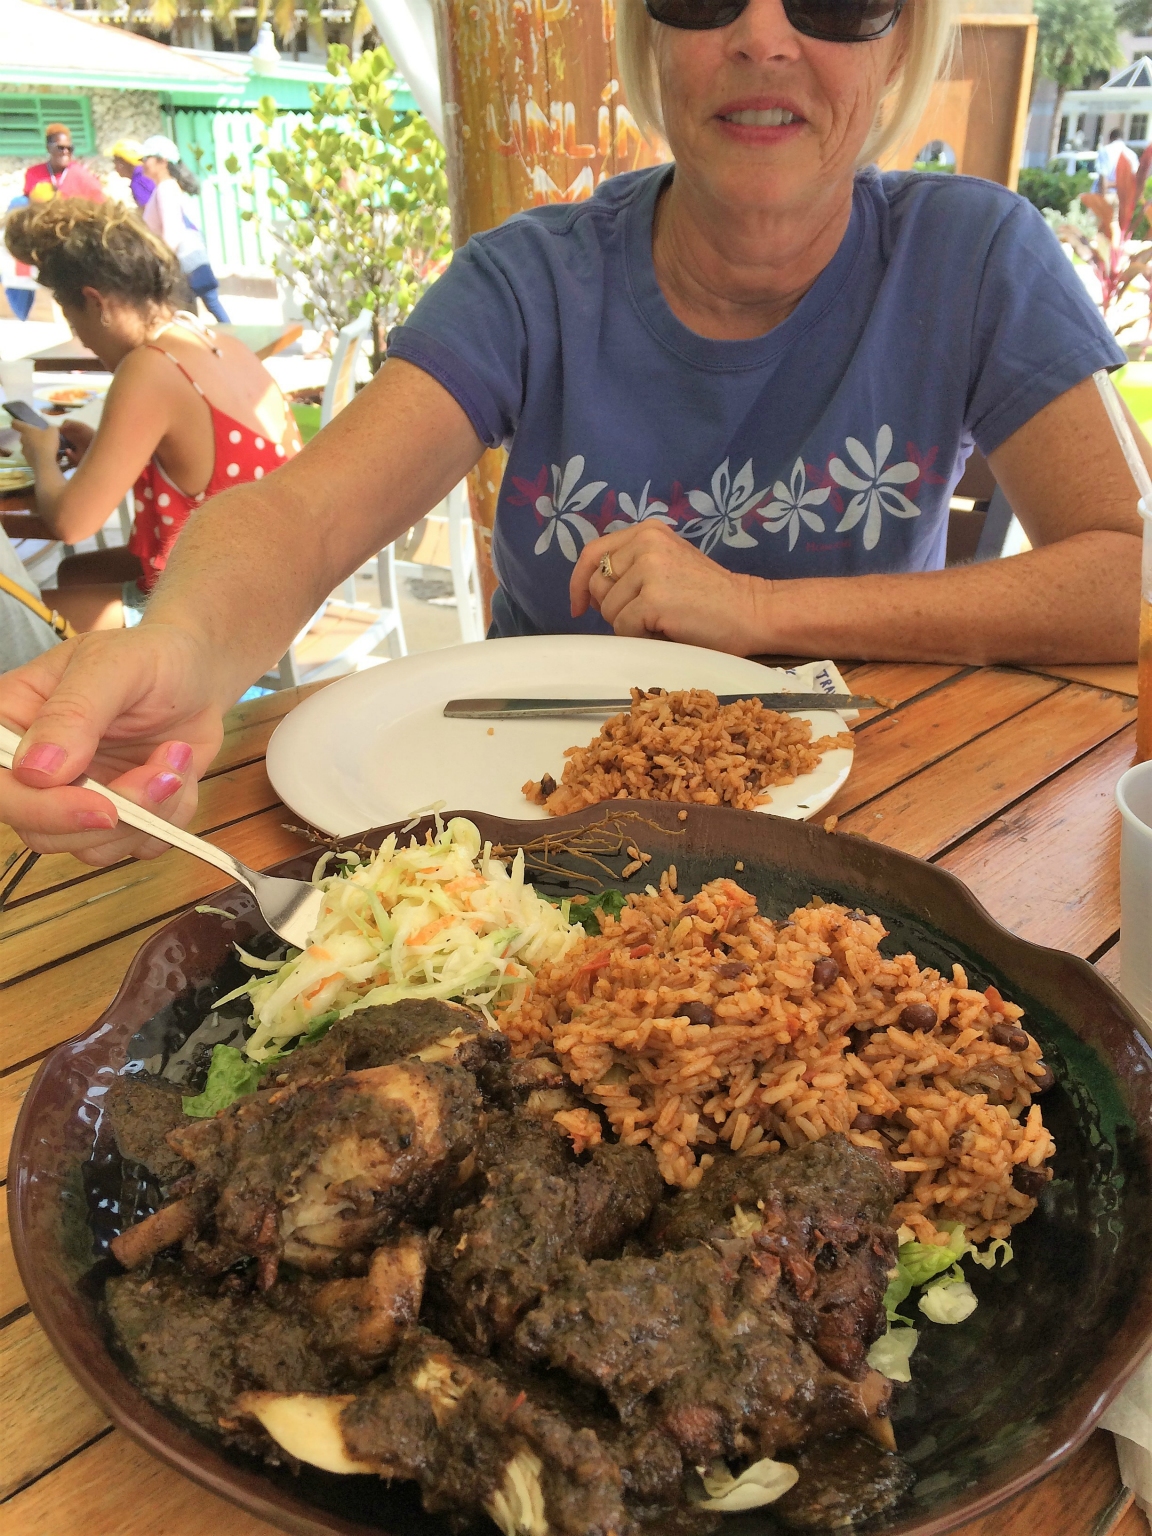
(187, 414)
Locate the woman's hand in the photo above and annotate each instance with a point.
(132, 707)
(40, 445)
(76, 437)
(663, 586)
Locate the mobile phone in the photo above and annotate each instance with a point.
(19, 410)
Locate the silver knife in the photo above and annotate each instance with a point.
(543, 709)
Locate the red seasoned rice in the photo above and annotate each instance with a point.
(686, 746)
(784, 1060)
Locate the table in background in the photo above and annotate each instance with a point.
(73, 356)
(1003, 776)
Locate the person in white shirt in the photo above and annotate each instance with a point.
(165, 215)
(1109, 158)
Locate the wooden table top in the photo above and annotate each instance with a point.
(1003, 776)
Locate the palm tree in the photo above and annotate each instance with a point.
(1076, 38)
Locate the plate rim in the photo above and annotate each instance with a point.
(285, 786)
(1064, 1432)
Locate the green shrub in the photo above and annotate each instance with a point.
(1053, 189)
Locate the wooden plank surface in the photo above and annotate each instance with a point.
(897, 681)
(228, 797)
(13, 1087)
(954, 796)
(68, 919)
(898, 745)
(1009, 772)
(39, 1016)
(44, 1415)
(1121, 678)
(113, 1488)
(1049, 868)
(11, 1290)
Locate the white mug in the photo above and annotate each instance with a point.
(1134, 797)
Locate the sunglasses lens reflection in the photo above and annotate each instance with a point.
(835, 21)
(842, 21)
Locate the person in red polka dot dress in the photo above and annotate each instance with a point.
(162, 508)
(187, 415)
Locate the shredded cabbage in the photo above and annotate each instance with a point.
(440, 919)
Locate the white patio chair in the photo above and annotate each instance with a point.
(387, 625)
(465, 577)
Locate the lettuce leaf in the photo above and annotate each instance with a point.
(761, 1483)
(891, 1354)
(230, 1077)
(916, 1264)
(949, 1302)
(937, 1268)
(611, 903)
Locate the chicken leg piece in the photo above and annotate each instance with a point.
(311, 1173)
(467, 1434)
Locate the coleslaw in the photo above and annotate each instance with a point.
(439, 919)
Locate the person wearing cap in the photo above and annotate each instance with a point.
(61, 175)
(125, 158)
(166, 214)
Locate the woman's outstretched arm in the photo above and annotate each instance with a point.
(142, 707)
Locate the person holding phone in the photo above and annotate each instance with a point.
(186, 415)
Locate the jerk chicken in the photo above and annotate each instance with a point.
(388, 1260)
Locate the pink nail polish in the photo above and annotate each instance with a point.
(95, 821)
(43, 758)
(162, 786)
(179, 755)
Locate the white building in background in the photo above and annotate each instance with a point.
(1087, 117)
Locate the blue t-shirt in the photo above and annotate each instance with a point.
(829, 447)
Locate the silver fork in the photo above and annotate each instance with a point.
(289, 907)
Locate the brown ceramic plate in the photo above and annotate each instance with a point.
(994, 1404)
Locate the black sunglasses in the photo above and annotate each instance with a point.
(832, 21)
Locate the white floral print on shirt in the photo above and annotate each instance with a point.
(640, 512)
(721, 515)
(793, 503)
(561, 511)
(876, 486)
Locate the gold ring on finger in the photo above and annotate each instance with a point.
(606, 568)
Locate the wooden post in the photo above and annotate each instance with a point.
(533, 114)
(980, 107)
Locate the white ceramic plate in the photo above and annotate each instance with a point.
(375, 747)
(71, 395)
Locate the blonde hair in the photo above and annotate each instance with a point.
(928, 28)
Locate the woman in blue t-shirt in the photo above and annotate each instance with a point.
(736, 394)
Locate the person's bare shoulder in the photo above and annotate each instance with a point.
(145, 379)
